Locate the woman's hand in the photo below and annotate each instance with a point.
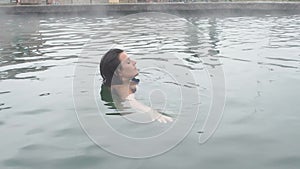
(156, 116)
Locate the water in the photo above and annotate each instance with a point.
(259, 55)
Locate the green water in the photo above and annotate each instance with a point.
(259, 56)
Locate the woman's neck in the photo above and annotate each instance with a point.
(122, 90)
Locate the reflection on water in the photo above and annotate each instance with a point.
(259, 55)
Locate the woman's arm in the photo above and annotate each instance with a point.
(155, 115)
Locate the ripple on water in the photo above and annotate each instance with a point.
(67, 132)
(285, 161)
(36, 160)
(35, 131)
(35, 111)
(3, 107)
(4, 92)
(80, 161)
(33, 43)
(44, 94)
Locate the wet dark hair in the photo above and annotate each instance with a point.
(108, 65)
(106, 96)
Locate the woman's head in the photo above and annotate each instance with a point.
(116, 67)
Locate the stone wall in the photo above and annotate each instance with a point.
(80, 1)
(30, 1)
(156, 7)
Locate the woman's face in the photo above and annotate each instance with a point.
(127, 67)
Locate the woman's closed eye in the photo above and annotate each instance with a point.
(128, 61)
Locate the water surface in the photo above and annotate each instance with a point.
(259, 55)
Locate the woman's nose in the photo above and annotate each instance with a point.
(134, 62)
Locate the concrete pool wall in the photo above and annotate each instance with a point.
(153, 7)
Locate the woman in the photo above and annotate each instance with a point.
(118, 72)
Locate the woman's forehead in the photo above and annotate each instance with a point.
(123, 56)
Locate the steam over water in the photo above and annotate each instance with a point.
(260, 57)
